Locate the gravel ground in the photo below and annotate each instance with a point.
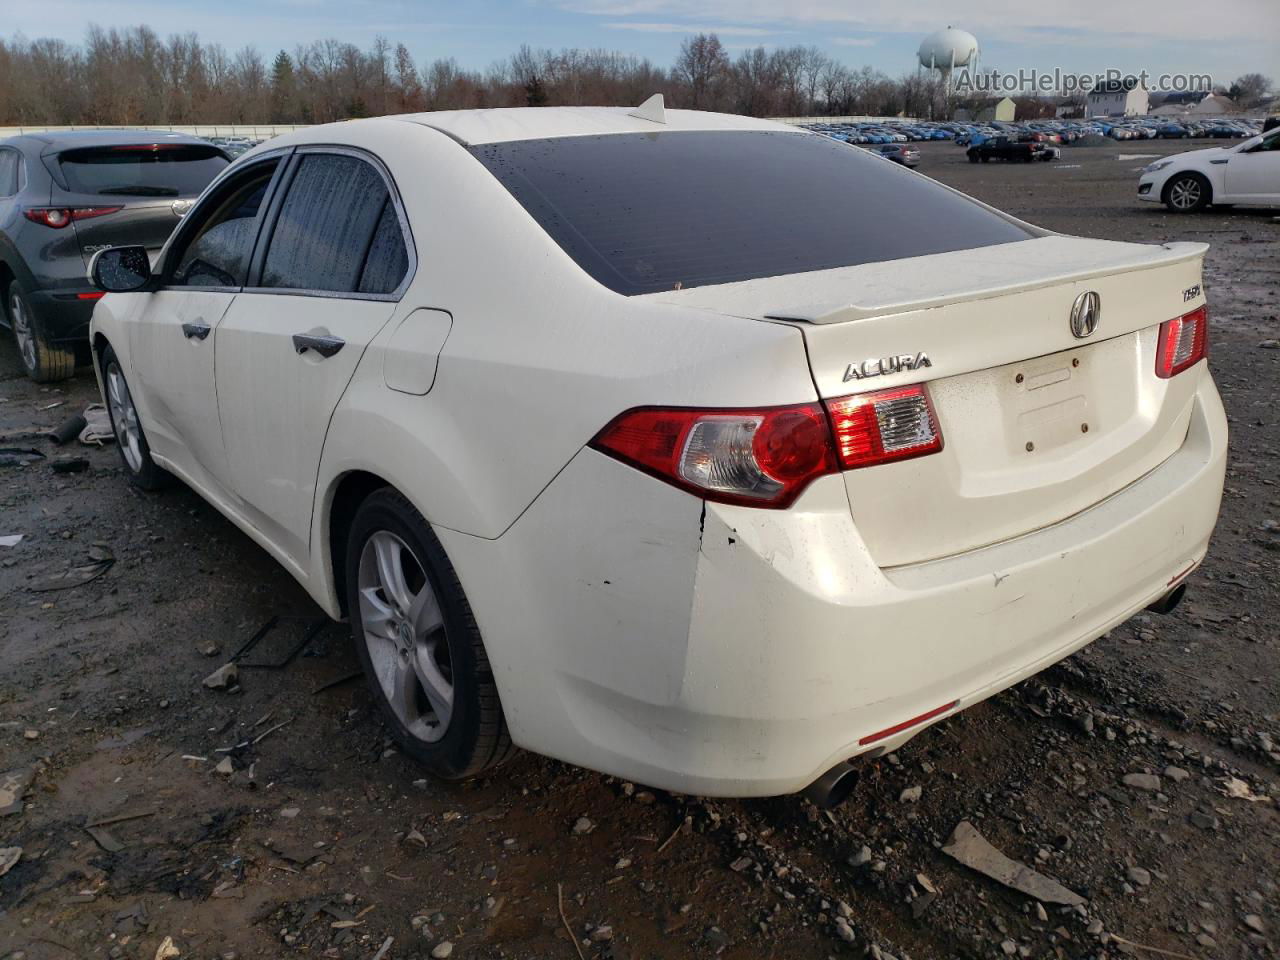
(1140, 774)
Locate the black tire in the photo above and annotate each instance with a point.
(43, 361)
(973, 158)
(985, 158)
(475, 739)
(1187, 193)
(131, 441)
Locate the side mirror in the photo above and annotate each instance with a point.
(120, 269)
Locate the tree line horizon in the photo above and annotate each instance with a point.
(130, 76)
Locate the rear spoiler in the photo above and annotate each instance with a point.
(921, 283)
(993, 274)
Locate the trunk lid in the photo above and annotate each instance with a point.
(1037, 424)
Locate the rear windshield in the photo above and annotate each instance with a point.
(160, 170)
(661, 211)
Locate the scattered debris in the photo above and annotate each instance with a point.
(1141, 781)
(289, 636)
(583, 825)
(1238, 789)
(167, 950)
(13, 787)
(122, 817)
(9, 857)
(442, 950)
(100, 558)
(97, 429)
(68, 429)
(19, 456)
(971, 848)
(225, 767)
(911, 795)
(69, 465)
(11, 540)
(224, 678)
(565, 920)
(383, 950)
(105, 839)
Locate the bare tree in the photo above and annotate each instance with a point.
(701, 70)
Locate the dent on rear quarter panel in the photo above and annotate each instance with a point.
(584, 605)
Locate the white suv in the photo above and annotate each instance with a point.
(1247, 173)
(632, 437)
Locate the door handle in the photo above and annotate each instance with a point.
(325, 346)
(195, 331)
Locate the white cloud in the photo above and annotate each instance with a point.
(854, 41)
(687, 28)
(1104, 20)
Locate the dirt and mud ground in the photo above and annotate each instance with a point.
(324, 841)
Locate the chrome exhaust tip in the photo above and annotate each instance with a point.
(1170, 600)
(833, 787)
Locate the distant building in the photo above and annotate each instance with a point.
(1214, 105)
(1195, 104)
(1001, 110)
(1121, 98)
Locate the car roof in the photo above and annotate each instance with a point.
(475, 127)
(52, 141)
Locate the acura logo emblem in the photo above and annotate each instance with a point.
(1085, 314)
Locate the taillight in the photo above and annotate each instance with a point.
(762, 458)
(59, 217)
(1184, 342)
(766, 457)
(886, 425)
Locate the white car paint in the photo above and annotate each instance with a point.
(632, 626)
(1244, 173)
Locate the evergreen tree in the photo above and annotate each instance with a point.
(284, 92)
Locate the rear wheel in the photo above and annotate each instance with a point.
(1187, 193)
(43, 361)
(135, 452)
(418, 642)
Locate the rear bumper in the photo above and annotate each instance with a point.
(64, 317)
(744, 652)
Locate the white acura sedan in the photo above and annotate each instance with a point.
(635, 439)
(1246, 173)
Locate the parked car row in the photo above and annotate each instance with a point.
(1054, 131)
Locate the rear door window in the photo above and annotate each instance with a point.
(217, 254)
(8, 173)
(338, 231)
(660, 211)
(155, 170)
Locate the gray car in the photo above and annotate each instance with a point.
(64, 196)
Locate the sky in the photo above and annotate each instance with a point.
(1223, 38)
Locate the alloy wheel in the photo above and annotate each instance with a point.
(22, 331)
(124, 417)
(1185, 193)
(404, 632)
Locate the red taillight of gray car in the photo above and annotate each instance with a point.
(1184, 342)
(59, 217)
(766, 457)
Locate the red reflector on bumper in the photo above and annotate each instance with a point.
(898, 728)
(90, 296)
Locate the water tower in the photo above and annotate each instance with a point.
(947, 49)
